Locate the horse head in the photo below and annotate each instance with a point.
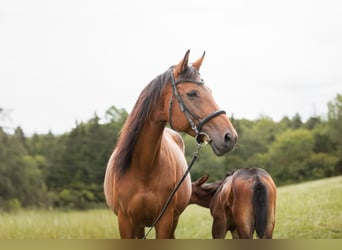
(191, 108)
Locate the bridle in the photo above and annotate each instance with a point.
(199, 136)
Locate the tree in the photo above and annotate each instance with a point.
(312, 122)
(335, 122)
(67, 170)
(20, 177)
(256, 137)
(289, 153)
(296, 121)
(82, 158)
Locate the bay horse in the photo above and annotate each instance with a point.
(242, 203)
(149, 158)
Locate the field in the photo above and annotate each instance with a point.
(311, 210)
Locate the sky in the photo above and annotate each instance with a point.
(63, 61)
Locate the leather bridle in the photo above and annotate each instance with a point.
(199, 136)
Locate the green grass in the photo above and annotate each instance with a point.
(92, 224)
(311, 210)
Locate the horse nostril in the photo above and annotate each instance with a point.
(228, 138)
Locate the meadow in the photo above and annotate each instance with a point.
(310, 210)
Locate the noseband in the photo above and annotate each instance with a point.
(199, 136)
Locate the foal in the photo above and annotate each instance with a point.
(241, 203)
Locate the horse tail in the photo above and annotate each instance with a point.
(260, 206)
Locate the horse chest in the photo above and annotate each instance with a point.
(141, 205)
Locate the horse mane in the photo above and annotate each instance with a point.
(141, 112)
(190, 73)
(136, 120)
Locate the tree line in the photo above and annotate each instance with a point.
(67, 171)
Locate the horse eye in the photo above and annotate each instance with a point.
(192, 93)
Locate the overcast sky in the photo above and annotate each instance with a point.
(62, 61)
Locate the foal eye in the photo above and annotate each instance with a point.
(192, 93)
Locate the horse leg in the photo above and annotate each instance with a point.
(126, 228)
(165, 228)
(140, 232)
(174, 226)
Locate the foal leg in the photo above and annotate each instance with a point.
(243, 214)
(244, 224)
(269, 229)
(219, 228)
(245, 231)
(235, 234)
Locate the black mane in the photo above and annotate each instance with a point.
(141, 112)
(136, 120)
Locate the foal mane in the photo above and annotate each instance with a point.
(211, 188)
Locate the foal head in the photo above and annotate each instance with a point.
(202, 193)
(191, 108)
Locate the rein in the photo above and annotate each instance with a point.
(200, 137)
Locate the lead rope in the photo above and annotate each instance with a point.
(167, 203)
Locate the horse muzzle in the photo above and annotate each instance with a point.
(223, 145)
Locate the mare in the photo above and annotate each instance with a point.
(149, 158)
(242, 203)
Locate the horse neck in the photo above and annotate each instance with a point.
(148, 145)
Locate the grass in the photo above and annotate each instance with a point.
(311, 210)
(92, 224)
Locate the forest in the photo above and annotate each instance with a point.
(66, 171)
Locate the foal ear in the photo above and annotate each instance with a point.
(182, 65)
(202, 180)
(198, 63)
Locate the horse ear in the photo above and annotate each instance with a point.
(202, 180)
(182, 65)
(198, 63)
